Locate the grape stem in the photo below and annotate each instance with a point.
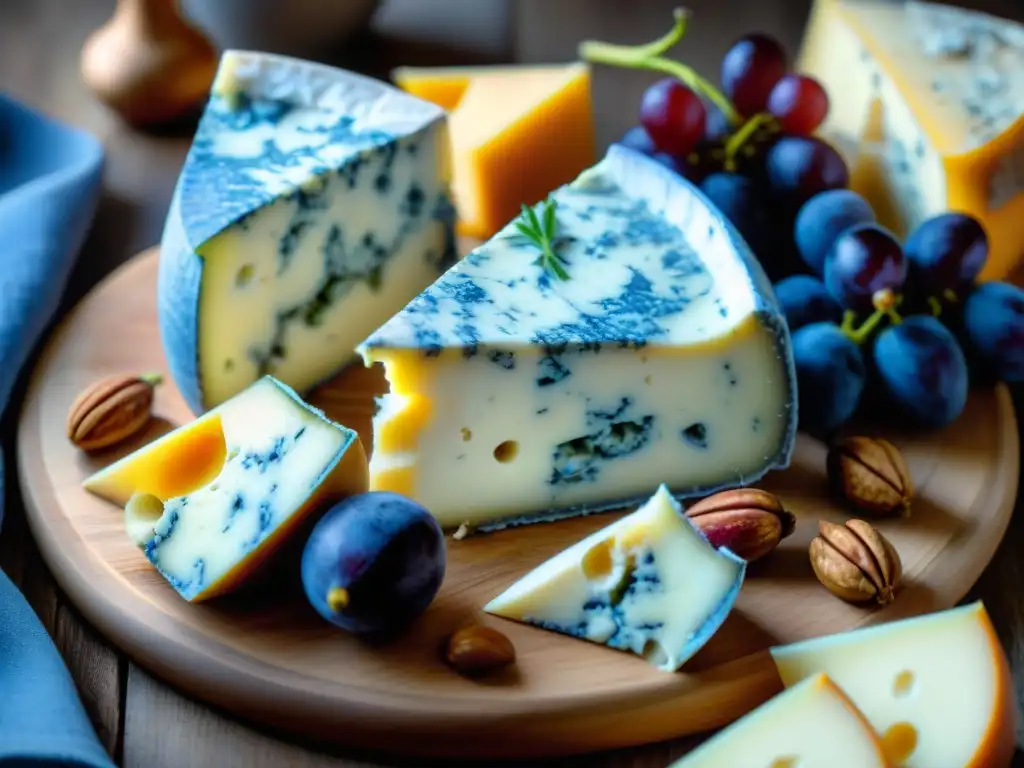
(859, 334)
(740, 137)
(649, 56)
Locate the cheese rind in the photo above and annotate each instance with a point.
(811, 725)
(313, 204)
(929, 112)
(649, 583)
(664, 358)
(282, 461)
(517, 133)
(942, 678)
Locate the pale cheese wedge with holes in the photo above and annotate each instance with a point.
(211, 501)
(811, 725)
(649, 584)
(937, 688)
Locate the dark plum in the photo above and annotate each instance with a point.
(947, 252)
(738, 198)
(863, 261)
(993, 326)
(799, 167)
(922, 371)
(637, 138)
(373, 563)
(750, 69)
(830, 376)
(805, 300)
(823, 218)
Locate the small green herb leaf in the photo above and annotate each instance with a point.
(542, 231)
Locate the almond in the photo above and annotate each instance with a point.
(478, 649)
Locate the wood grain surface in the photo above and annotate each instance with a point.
(141, 720)
(265, 655)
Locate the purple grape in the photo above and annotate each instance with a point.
(637, 138)
(947, 251)
(823, 218)
(863, 261)
(993, 324)
(805, 300)
(739, 200)
(716, 125)
(921, 371)
(750, 69)
(830, 375)
(799, 167)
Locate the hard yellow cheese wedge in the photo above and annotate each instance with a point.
(517, 133)
(936, 687)
(927, 104)
(812, 725)
(210, 502)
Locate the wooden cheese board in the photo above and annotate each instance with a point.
(265, 656)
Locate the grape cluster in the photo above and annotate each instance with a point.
(907, 321)
(874, 321)
(759, 162)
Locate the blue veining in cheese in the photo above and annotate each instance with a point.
(313, 204)
(649, 584)
(663, 357)
(284, 462)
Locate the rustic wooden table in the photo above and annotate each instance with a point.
(141, 721)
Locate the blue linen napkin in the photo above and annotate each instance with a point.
(50, 179)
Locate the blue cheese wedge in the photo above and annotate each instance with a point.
(517, 396)
(928, 108)
(649, 583)
(282, 461)
(314, 204)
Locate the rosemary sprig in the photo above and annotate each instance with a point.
(541, 231)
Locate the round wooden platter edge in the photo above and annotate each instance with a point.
(498, 724)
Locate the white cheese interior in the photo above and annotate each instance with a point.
(649, 583)
(809, 726)
(941, 674)
(359, 242)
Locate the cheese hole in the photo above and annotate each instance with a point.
(506, 451)
(899, 742)
(244, 275)
(597, 563)
(466, 434)
(785, 762)
(141, 514)
(903, 683)
(654, 653)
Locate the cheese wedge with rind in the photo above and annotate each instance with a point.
(271, 462)
(928, 107)
(664, 358)
(313, 204)
(811, 725)
(649, 584)
(517, 133)
(937, 687)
